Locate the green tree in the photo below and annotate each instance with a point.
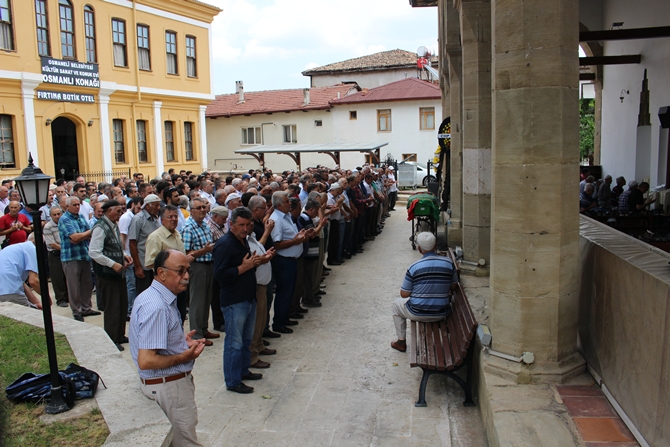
(586, 126)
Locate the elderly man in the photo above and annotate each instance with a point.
(425, 294)
(288, 244)
(218, 217)
(143, 224)
(335, 201)
(133, 206)
(221, 197)
(235, 267)
(14, 225)
(85, 209)
(4, 198)
(617, 190)
(198, 243)
(206, 191)
(636, 200)
(74, 236)
(109, 264)
(163, 356)
(605, 193)
(586, 200)
(166, 237)
(18, 264)
(52, 241)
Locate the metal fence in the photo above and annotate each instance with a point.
(104, 176)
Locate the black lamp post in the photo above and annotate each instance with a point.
(33, 186)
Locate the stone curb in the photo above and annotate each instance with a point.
(132, 419)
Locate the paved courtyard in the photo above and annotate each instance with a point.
(335, 381)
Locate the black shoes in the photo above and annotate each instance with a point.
(291, 323)
(78, 317)
(302, 310)
(311, 304)
(297, 316)
(266, 343)
(124, 339)
(334, 263)
(119, 347)
(320, 292)
(270, 334)
(252, 376)
(92, 313)
(242, 389)
(326, 269)
(284, 330)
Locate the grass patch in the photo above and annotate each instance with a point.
(24, 350)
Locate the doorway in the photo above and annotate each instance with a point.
(66, 155)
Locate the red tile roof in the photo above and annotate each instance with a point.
(277, 101)
(378, 61)
(405, 89)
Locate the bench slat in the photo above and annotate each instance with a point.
(413, 343)
(446, 360)
(455, 337)
(463, 333)
(432, 342)
(422, 358)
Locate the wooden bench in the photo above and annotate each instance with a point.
(445, 346)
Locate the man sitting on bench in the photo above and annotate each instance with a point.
(426, 291)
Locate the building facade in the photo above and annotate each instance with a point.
(104, 85)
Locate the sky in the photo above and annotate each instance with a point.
(268, 43)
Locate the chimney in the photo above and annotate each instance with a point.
(305, 95)
(239, 89)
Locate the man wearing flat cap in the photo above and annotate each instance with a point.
(143, 224)
(109, 264)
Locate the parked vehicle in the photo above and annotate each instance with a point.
(423, 177)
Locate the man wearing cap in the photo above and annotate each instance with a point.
(143, 224)
(167, 237)
(109, 264)
(233, 201)
(218, 217)
(425, 294)
(198, 243)
(393, 187)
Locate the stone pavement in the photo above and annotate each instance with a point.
(336, 381)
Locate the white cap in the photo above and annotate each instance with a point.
(426, 241)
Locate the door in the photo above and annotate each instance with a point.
(66, 155)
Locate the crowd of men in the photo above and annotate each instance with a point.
(156, 253)
(597, 196)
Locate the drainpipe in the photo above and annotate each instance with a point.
(136, 159)
(263, 131)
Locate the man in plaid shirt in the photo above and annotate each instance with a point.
(198, 242)
(74, 236)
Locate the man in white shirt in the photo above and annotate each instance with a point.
(134, 207)
(206, 192)
(393, 188)
(4, 199)
(85, 210)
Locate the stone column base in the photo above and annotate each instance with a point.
(538, 372)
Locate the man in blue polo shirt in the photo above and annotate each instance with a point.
(425, 294)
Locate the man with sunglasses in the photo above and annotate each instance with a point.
(163, 355)
(109, 264)
(198, 243)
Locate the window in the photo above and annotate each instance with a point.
(191, 70)
(409, 157)
(119, 41)
(143, 52)
(290, 134)
(119, 142)
(66, 29)
(89, 31)
(169, 140)
(171, 52)
(188, 139)
(353, 114)
(318, 123)
(6, 142)
(384, 120)
(142, 141)
(252, 135)
(6, 29)
(427, 115)
(42, 23)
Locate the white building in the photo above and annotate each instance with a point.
(405, 113)
(373, 70)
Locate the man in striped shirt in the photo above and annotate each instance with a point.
(163, 356)
(425, 294)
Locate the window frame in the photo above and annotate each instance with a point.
(5, 118)
(424, 113)
(67, 32)
(174, 53)
(293, 134)
(9, 10)
(353, 115)
(116, 132)
(169, 142)
(257, 131)
(194, 57)
(146, 38)
(42, 15)
(124, 44)
(142, 140)
(386, 114)
(92, 49)
(189, 153)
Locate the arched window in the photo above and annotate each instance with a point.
(42, 23)
(66, 29)
(89, 31)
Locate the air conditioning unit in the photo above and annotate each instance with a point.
(663, 200)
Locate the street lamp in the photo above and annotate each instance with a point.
(33, 185)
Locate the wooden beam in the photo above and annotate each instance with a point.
(625, 34)
(610, 60)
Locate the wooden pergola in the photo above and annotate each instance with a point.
(295, 150)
